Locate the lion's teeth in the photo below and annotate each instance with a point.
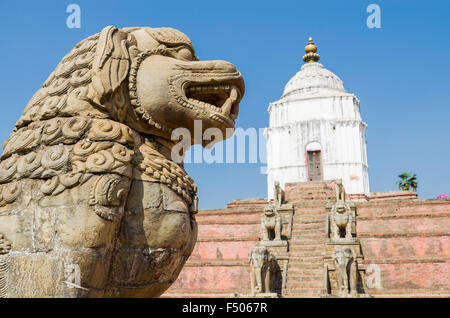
(226, 107)
(234, 93)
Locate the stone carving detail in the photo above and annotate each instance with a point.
(67, 131)
(99, 126)
(5, 247)
(262, 270)
(155, 167)
(108, 195)
(9, 193)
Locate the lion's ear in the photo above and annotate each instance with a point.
(111, 63)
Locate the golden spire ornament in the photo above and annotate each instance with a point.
(311, 55)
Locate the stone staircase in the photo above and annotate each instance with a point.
(305, 270)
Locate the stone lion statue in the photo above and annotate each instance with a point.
(271, 224)
(90, 198)
(340, 221)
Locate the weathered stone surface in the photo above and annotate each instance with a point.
(91, 198)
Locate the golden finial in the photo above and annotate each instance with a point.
(311, 49)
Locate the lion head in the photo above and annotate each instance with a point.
(147, 78)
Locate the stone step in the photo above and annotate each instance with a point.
(313, 284)
(307, 184)
(309, 209)
(306, 248)
(309, 204)
(297, 230)
(299, 237)
(299, 290)
(309, 226)
(315, 193)
(303, 254)
(311, 184)
(304, 266)
(303, 293)
(312, 191)
(304, 215)
(306, 259)
(297, 271)
(320, 219)
(304, 278)
(319, 200)
(306, 254)
(307, 241)
(294, 247)
(309, 218)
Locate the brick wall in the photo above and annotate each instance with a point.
(409, 241)
(405, 243)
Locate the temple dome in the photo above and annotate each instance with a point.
(313, 76)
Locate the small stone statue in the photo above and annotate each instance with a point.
(278, 194)
(340, 191)
(340, 220)
(271, 224)
(261, 268)
(345, 265)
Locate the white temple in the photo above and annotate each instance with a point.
(316, 132)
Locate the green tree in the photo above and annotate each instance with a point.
(407, 182)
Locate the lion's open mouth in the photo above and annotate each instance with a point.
(223, 98)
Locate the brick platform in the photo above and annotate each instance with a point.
(405, 243)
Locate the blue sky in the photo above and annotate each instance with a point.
(400, 73)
